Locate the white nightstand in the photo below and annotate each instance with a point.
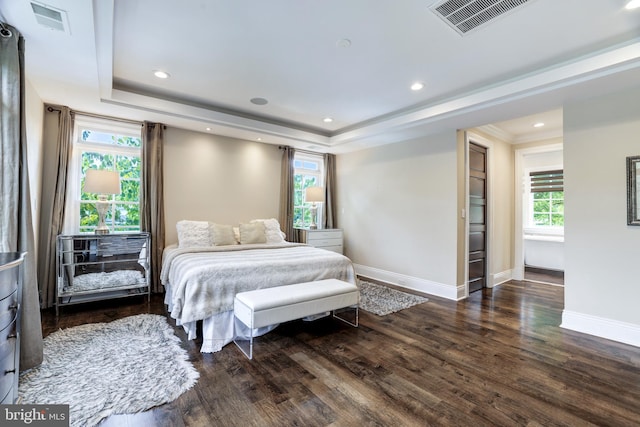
(328, 238)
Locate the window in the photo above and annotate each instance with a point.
(111, 145)
(547, 199)
(308, 172)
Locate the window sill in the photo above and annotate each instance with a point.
(547, 234)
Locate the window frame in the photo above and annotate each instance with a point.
(80, 147)
(530, 227)
(319, 175)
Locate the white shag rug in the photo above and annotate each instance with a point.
(382, 300)
(92, 281)
(99, 369)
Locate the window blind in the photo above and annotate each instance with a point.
(547, 181)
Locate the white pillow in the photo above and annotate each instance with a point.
(193, 234)
(272, 230)
(252, 233)
(222, 234)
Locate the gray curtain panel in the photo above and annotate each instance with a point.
(16, 226)
(286, 194)
(52, 201)
(329, 219)
(151, 196)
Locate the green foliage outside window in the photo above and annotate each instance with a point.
(301, 210)
(548, 209)
(124, 210)
(307, 173)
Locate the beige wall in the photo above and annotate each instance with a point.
(502, 177)
(397, 207)
(602, 275)
(219, 179)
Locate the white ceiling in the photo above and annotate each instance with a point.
(221, 54)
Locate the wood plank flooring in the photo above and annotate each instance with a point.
(498, 358)
(542, 275)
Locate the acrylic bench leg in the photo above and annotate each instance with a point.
(352, 320)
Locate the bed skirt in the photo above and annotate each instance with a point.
(217, 330)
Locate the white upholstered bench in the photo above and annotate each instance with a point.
(264, 307)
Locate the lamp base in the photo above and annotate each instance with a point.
(314, 216)
(101, 206)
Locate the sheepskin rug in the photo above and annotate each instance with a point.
(99, 369)
(382, 300)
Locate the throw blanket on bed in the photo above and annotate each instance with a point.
(204, 281)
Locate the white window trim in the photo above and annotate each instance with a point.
(320, 174)
(529, 229)
(71, 224)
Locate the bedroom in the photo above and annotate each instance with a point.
(417, 202)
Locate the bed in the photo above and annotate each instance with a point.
(201, 281)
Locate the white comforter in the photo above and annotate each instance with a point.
(204, 281)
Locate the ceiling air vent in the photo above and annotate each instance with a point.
(51, 18)
(466, 15)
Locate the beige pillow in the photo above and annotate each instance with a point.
(221, 234)
(272, 230)
(252, 233)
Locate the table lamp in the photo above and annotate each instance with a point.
(103, 183)
(314, 195)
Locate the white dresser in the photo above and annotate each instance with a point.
(328, 238)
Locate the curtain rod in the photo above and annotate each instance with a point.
(4, 30)
(97, 116)
(298, 150)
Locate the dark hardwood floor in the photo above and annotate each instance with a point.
(542, 275)
(498, 358)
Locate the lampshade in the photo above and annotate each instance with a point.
(314, 194)
(102, 182)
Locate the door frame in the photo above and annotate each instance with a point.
(477, 139)
(518, 256)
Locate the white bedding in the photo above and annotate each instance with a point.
(201, 283)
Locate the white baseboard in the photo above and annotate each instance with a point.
(627, 333)
(518, 273)
(409, 282)
(502, 277)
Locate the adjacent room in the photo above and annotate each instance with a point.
(320, 213)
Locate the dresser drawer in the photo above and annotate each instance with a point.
(337, 248)
(8, 309)
(324, 234)
(320, 243)
(8, 399)
(8, 281)
(7, 359)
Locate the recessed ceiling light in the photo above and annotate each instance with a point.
(208, 129)
(538, 125)
(259, 101)
(327, 120)
(633, 4)
(417, 86)
(258, 139)
(161, 74)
